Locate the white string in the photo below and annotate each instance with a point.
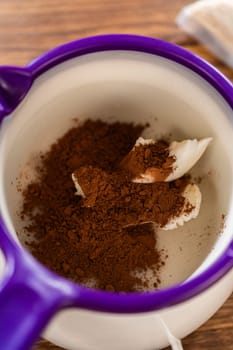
(174, 342)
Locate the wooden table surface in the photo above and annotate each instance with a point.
(30, 27)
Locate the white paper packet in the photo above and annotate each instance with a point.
(211, 23)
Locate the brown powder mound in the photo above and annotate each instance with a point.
(153, 158)
(127, 203)
(84, 239)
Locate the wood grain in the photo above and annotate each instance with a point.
(30, 27)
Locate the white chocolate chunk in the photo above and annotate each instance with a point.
(146, 178)
(186, 153)
(189, 211)
(193, 199)
(142, 141)
(79, 191)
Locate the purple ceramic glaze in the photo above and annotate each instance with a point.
(30, 293)
(29, 296)
(14, 85)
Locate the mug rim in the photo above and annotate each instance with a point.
(94, 299)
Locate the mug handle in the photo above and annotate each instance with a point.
(15, 83)
(24, 313)
(27, 302)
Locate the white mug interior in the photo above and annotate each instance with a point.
(132, 87)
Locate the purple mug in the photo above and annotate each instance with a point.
(30, 294)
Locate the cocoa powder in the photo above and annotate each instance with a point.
(88, 239)
(150, 157)
(127, 203)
